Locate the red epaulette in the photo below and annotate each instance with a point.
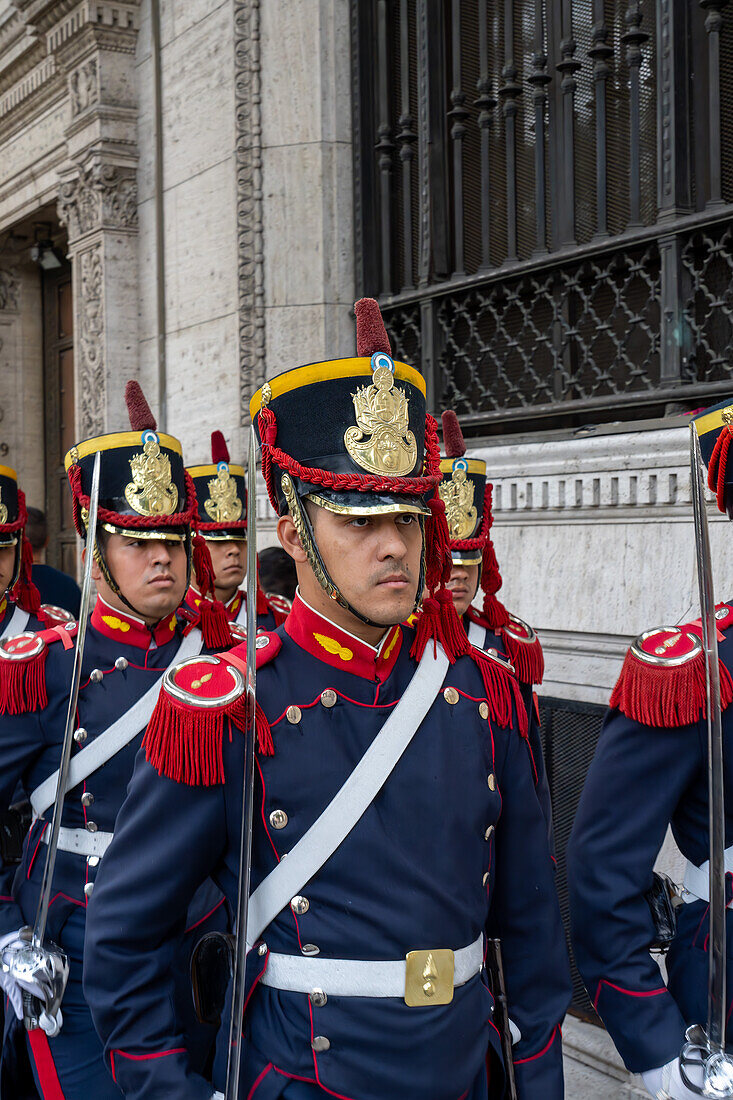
(280, 606)
(522, 645)
(663, 681)
(502, 688)
(23, 667)
(183, 740)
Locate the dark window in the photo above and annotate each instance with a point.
(58, 386)
(542, 202)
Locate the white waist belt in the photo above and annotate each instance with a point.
(697, 879)
(357, 977)
(81, 842)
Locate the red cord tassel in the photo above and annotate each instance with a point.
(718, 464)
(25, 592)
(213, 622)
(664, 696)
(23, 685)
(495, 613)
(527, 658)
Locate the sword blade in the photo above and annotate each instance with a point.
(39, 928)
(716, 806)
(240, 957)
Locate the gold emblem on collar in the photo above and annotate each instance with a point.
(727, 415)
(457, 494)
(223, 505)
(151, 491)
(429, 977)
(3, 510)
(381, 442)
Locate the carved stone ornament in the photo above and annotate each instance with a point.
(102, 196)
(91, 345)
(9, 290)
(83, 87)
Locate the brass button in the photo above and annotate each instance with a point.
(92, 826)
(492, 782)
(293, 715)
(95, 676)
(450, 695)
(483, 709)
(493, 652)
(278, 819)
(300, 905)
(486, 878)
(93, 861)
(321, 1043)
(121, 664)
(328, 697)
(489, 832)
(262, 949)
(318, 998)
(88, 888)
(87, 799)
(310, 949)
(80, 735)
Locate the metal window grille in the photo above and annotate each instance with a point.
(570, 733)
(544, 201)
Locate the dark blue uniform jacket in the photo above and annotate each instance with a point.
(649, 770)
(454, 844)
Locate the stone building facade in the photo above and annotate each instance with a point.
(180, 202)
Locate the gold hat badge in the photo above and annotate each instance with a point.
(457, 494)
(381, 441)
(223, 504)
(3, 510)
(151, 491)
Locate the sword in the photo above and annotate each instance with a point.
(704, 1051)
(245, 851)
(29, 960)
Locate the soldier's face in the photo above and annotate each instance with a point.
(7, 562)
(230, 564)
(374, 561)
(150, 572)
(462, 586)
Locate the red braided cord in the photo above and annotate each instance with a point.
(479, 540)
(365, 483)
(104, 515)
(717, 465)
(20, 522)
(233, 525)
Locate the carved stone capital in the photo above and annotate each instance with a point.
(9, 290)
(102, 196)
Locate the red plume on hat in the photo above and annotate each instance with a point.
(141, 417)
(371, 335)
(219, 449)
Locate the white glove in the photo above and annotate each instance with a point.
(218, 1096)
(514, 1032)
(666, 1082)
(15, 987)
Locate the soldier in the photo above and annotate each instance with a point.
(20, 603)
(650, 770)
(221, 492)
(412, 870)
(467, 498)
(142, 563)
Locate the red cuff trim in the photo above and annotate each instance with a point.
(546, 1047)
(628, 992)
(258, 1081)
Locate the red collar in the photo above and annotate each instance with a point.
(321, 638)
(130, 630)
(3, 605)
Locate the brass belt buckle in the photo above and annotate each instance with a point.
(429, 977)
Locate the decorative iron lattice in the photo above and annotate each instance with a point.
(543, 200)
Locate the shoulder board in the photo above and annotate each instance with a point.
(184, 736)
(279, 603)
(23, 668)
(52, 615)
(501, 686)
(525, 650)
(662, 682)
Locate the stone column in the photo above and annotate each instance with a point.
(98, 203)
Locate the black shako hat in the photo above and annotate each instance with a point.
(714, 427)
(221, 492)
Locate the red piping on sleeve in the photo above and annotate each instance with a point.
(546, 1047)
(35, 852)
(140, 1057)
(628, 992)
(205, 917)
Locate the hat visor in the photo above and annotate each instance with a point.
(366, 504)
(8, 538)
(467, 557)
(162, 534)
(234, 534)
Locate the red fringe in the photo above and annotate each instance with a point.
(214, 624)
(184, 743)
(664, 695)
(501, 688)
(527, 658)
(23, 684)
(25, 592)
(717, 465)
(438, 622)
